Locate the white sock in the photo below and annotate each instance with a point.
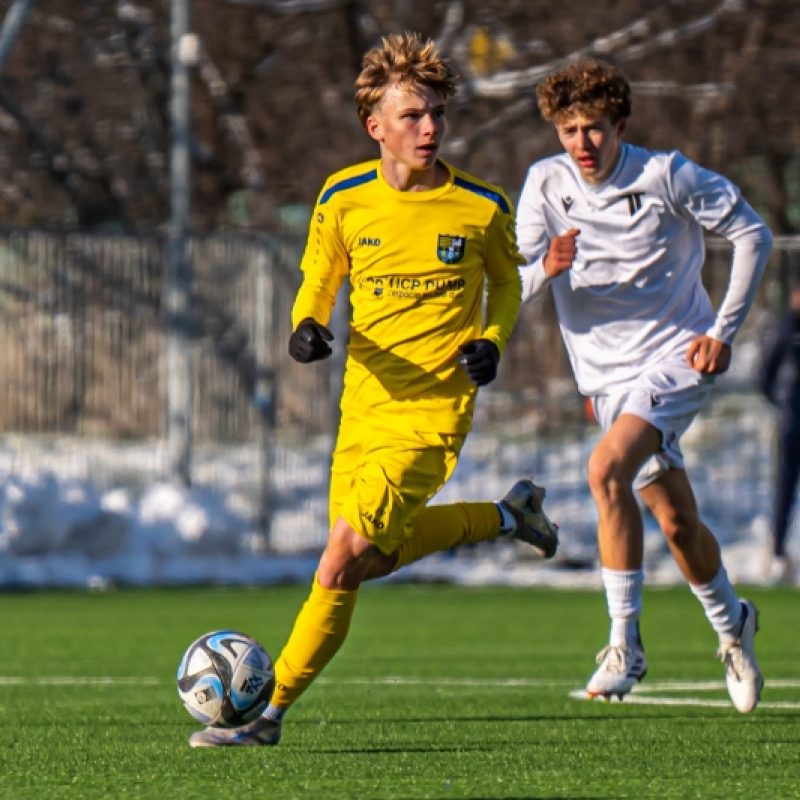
(275, 713)
(624, 597)
(508, 522)
(722, 606)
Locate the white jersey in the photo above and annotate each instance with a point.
(634, 295)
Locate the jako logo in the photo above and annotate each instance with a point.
(366, 241)
(374, 519)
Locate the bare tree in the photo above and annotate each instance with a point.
(84, 128)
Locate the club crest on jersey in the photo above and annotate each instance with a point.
(567, 202)
(451, 248)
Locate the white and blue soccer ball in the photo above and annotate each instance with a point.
(225, 679)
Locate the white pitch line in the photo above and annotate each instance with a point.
(403, 681)
(76, 681)
(644, 688)
(707, 686)
(641, 694)
(637, 699)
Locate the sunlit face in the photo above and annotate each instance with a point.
(593, 143)
(409, 125)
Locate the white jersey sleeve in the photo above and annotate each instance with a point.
(716, 204)
(533, 241)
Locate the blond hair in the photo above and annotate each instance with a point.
(404, 60)
(589, 88)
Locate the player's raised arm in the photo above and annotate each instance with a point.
(545, 257)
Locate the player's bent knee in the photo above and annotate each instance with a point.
(602, 468)
(341, 575)
(349, 559)
(606, 478)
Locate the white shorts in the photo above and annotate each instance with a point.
(668, 396)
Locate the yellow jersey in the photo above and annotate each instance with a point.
(418, 264)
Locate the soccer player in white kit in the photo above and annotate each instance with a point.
(616, 232)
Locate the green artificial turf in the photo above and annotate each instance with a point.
(439, 692)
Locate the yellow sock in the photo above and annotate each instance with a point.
(442, 527)
(319, 631)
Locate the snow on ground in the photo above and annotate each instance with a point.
(82, 513)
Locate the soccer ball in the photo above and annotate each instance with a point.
(225, 679)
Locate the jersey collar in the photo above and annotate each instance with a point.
(418, 197)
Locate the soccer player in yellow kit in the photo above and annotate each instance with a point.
(421, 242)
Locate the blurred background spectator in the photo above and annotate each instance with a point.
(780, 383)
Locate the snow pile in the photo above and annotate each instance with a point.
(77, 513)
(65, 533)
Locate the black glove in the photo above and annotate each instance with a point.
(479, 358)
(309, 342)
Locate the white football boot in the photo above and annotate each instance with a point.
(742, 673)
(620, 668)
(524, 502)
(261, 732)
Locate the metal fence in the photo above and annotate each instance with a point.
(81, 367)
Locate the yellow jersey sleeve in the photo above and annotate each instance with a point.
(503, 282)
(325, 262)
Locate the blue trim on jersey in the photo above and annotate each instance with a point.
(484, 192)
(348, 183)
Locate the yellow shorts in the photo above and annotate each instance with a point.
(381, 479)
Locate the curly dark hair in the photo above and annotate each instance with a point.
(405, 59)
(587, 87)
